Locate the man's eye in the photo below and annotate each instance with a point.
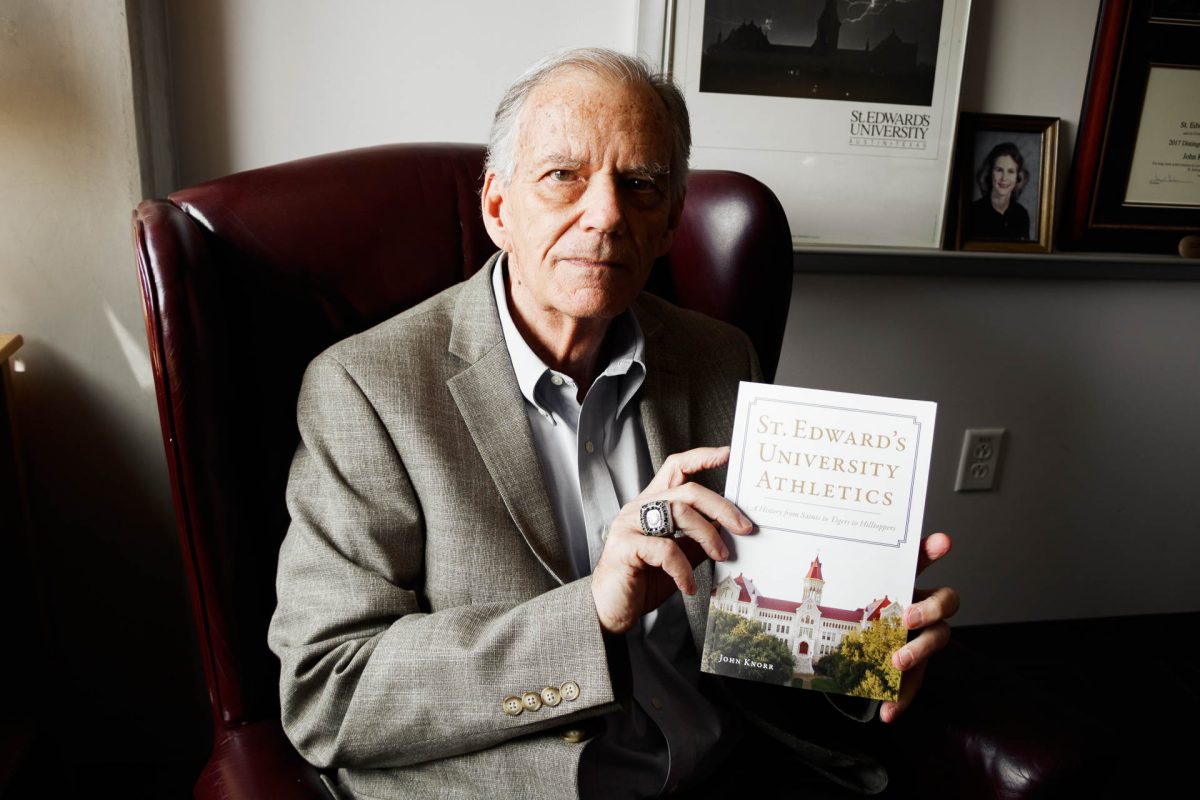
(562, 175)
(642, 185)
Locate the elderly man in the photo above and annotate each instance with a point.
(468, 605)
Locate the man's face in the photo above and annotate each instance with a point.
(589, 207)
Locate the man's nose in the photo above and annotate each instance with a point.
(601, 201)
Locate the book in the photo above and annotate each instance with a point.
(835, 484)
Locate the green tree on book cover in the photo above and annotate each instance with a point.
(741, 648)
(862, 664)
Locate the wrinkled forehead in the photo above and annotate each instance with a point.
(575, 108)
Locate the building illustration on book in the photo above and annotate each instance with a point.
(810, 630)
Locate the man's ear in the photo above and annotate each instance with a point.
(491, 201)
(676, 213)
(673, 217)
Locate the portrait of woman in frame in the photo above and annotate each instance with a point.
(1006, 183)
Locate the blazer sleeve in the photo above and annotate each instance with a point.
(369, 676)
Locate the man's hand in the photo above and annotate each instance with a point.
(928, 615)
(637, 573)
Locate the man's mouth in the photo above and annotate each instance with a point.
(590, 261)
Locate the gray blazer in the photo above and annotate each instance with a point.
(423, 579)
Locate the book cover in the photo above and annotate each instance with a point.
(835, 485)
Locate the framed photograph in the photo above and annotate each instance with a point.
(1005, 168)
(846, 109)
(1135, 179)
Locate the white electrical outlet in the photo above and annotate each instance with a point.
(979, 465)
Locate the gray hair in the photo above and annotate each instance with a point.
(618, 67)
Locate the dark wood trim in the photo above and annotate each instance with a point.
(1096, 266)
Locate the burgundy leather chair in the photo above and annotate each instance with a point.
(245, 279)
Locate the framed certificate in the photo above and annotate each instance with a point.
(1135, 181)
(1166, 152)
(847, 110)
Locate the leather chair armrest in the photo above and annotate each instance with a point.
(1050, 709)
(254, 761)
(980, 730)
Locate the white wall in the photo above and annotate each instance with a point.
(1065, 365)
(272, 80)
(105, 560)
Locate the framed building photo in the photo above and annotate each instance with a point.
(847, 110)
(1135, 178)
(1005, 167)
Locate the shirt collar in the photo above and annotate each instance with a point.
(625, 346)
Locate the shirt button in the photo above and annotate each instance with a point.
(551, 696)
(544, 413)
(532, 701)
(573, 735)
(556, 380)
(569, 690)
(589, 446)
(512, 705)
(656, 702)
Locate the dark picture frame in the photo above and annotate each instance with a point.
(1015, 211)
(1136, 43)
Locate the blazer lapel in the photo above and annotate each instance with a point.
(666, 419)
(492, 407)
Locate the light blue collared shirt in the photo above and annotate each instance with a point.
(595, 459)
(594, 455)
